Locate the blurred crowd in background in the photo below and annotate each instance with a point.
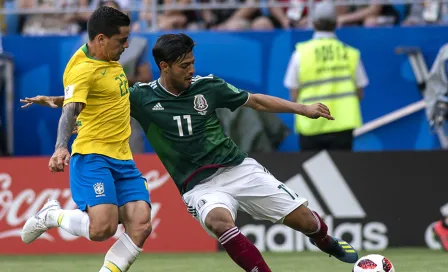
(34, 17)
(69, 17)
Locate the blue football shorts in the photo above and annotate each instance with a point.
(97, 179)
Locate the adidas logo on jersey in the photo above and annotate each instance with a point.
(157, 107)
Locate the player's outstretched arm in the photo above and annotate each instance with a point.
(66, 125)
(269, 103)
(49, 101)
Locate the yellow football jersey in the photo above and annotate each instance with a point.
(104, 123)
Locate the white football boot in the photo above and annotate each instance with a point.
(36, 226)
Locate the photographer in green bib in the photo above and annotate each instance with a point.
(326, 70)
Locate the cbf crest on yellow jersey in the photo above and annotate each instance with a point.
(104, 123)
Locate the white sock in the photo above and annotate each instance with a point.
(75, 222)
(121, 255)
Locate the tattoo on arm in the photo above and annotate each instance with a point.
(67, 122)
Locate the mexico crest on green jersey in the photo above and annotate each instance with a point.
(200, 104)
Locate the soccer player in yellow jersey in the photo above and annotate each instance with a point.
(104, 181)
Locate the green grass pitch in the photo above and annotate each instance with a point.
(404, 260)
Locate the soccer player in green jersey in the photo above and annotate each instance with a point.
(214, 177)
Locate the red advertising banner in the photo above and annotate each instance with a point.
(26, 184)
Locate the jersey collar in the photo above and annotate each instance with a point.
(85, 49)
(163, 88)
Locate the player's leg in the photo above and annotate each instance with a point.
(135, 215)
(441, 228)
(221, 223)
(216, 211)
(136, 218)
(93, 191)
(98, 223)
(318, 234)
(264, 197)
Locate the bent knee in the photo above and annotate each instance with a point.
(302, 219)
(310, 224)
(219, 227)
(218, 221)
(143, 230)
(139, 232)
(102, 232)
(139, 226)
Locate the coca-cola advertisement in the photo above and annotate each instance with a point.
(26, 184)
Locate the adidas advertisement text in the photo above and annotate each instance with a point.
(364, 198)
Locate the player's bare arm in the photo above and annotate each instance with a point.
(49, 101)
(269, 103)
(67, 123)
(294, 94)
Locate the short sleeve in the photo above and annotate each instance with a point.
(135, 98)
(229, 96)
(77, 83)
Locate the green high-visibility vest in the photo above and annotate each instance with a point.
(327, 75)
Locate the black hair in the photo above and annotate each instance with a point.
(172, 48)
(107, 21)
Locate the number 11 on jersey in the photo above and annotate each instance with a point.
(179, 124)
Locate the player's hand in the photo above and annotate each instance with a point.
(59, 160)
(317, 110)
(41, 100)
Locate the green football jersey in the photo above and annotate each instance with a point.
(184, 129)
